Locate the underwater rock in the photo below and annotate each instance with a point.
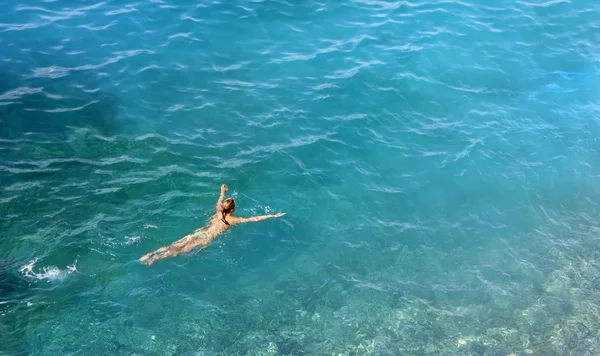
(558, 283)
(477, 347)
(506, 336)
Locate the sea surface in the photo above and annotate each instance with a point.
(438, 161)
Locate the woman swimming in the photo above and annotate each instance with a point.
(218, 224)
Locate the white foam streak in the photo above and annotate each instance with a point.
(49, 273)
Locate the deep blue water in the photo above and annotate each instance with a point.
(439, 163)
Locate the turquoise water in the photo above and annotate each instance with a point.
(439, 164)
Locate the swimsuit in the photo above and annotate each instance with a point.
(199, 234)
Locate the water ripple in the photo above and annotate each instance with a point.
(436, 160)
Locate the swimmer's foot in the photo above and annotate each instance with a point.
(148, 259)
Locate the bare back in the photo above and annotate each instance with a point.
(216, 226)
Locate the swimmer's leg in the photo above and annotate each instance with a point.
(159, 254)
(201, 248)
(150, 258)
(204, 244)
(148, 255)
(166, 251)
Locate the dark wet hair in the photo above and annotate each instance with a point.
(227, 208)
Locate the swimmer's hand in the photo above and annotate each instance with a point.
(223, 189)
(278, 215)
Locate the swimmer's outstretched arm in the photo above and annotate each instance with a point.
(220, 200)
(257, 218)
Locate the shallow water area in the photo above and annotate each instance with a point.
(438, 163)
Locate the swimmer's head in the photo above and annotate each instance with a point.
(228, 206)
